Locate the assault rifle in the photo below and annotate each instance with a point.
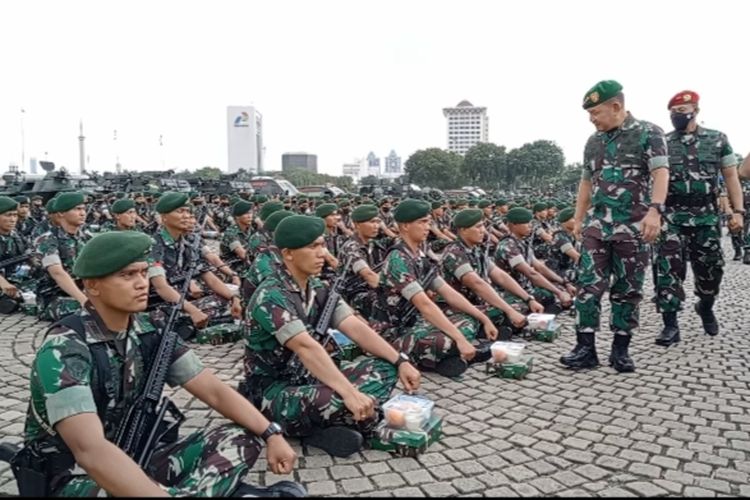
(296, 369)
(144, 424)
(486, 259)
(15, 260)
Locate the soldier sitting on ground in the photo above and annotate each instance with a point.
(289, 373)
(235, 239)
(55, 252)
(124, 216)
(26, 223)
(563, 257)
(407, 318)
(13, 275)
(466, 269)
(515, 256)
(170, 257)
(73, 419)
(266, 262)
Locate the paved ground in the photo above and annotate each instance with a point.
(679, 425)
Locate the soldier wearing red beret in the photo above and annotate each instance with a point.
(697, 156)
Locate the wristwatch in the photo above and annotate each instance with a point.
(402, 358)
(740, 211)
(530, 299)
(660, 207)
(273, 428)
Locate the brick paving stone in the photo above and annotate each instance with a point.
(353, 486)
(344, 472)
(591, 472)
(574, 493)
(503, 492)
(408, 492)
(670, 486)
(467, 485)
(615, 493)
(714, 484)
(418, 477)
(546, 485)
(320, 488)
(370, 469)
(568, 478)
(445, 472)
(645, 489)
(439, 490)
(692, 491)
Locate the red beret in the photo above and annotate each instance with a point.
(684, 97)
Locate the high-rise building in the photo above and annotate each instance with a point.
(353, 170)
(467, 125)
(392, 165)
(245, 139)
(373, 165)
(299, 161)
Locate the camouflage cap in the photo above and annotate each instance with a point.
(170, 201)
(326, 209)
(601, 92)
(7, 204)
(566, 214)
(467, 217)
(411, 209)
(298, 231)
(68, 201)
(275, 218)
(363, 213)
(122, 206)
(109, 252)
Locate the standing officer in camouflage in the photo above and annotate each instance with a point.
(73, 417)
(621, 220)
(433, 338)
(697, 156)
(330, 406)
(54, 253)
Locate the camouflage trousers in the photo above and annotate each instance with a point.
(57, 308)
(299, 408)
(624, 262)
(702, 246)
(426, 344)
(206, 463)
(221, 328)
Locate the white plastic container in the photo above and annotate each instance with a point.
(539, 321)
(29, 297)
(408, 412)
(507, 352)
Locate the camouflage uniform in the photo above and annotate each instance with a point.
(358, 293)
(399, 283)
(259, 241)
(13, 245)
(458, 259)
(26, 227)
(744, 235)
(272, 318)
(691, 228)
(510, 253)
(56, 246)
(171, 259)
(618, 163)
(233, 238)
(66, 381)
(541, 248)
(558, 260)
(265, 264)
(498, 224)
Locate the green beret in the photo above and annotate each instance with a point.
(437, 204)
(519, 215)
(50, 206)
(467, 217)
(109, 252)
(298, 231)
(539, 206)
(241, 208)
(363, 213)
(273, 220)
(268, 208)
(7, 204)
(601, 92)
(461, 201)
(500, 202)
(22, 200)
(261, 198)
(561, 205)
(344, 203)
(37, 197)
(119, 195)
(122, 206)
(410, 210)
(170, 201)
(157, 194)
(326, 209)
(472, 203)
(484, 203)
(68, 201)
(566, 214)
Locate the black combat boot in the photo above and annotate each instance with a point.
(583, 354)
(338, 441)
(704, 308)
(619, 359)
(737, 254)
(746, 258)
(282, 489)
(671, 332)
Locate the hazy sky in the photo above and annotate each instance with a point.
(342, 78)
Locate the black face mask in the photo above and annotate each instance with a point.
(680, 121)
(386, 209)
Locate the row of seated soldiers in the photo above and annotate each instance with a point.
(395, 299)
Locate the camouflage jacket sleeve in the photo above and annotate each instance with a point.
(511, 252)
(587, 169)
(351, 249)
(185, 365)
(562, 242)
(275, 315)
(728, 158)
(655, 150)
(61, 379)
(231, 239)
(156, 260)
(46, 251)
(399, 278)
(455, 264)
